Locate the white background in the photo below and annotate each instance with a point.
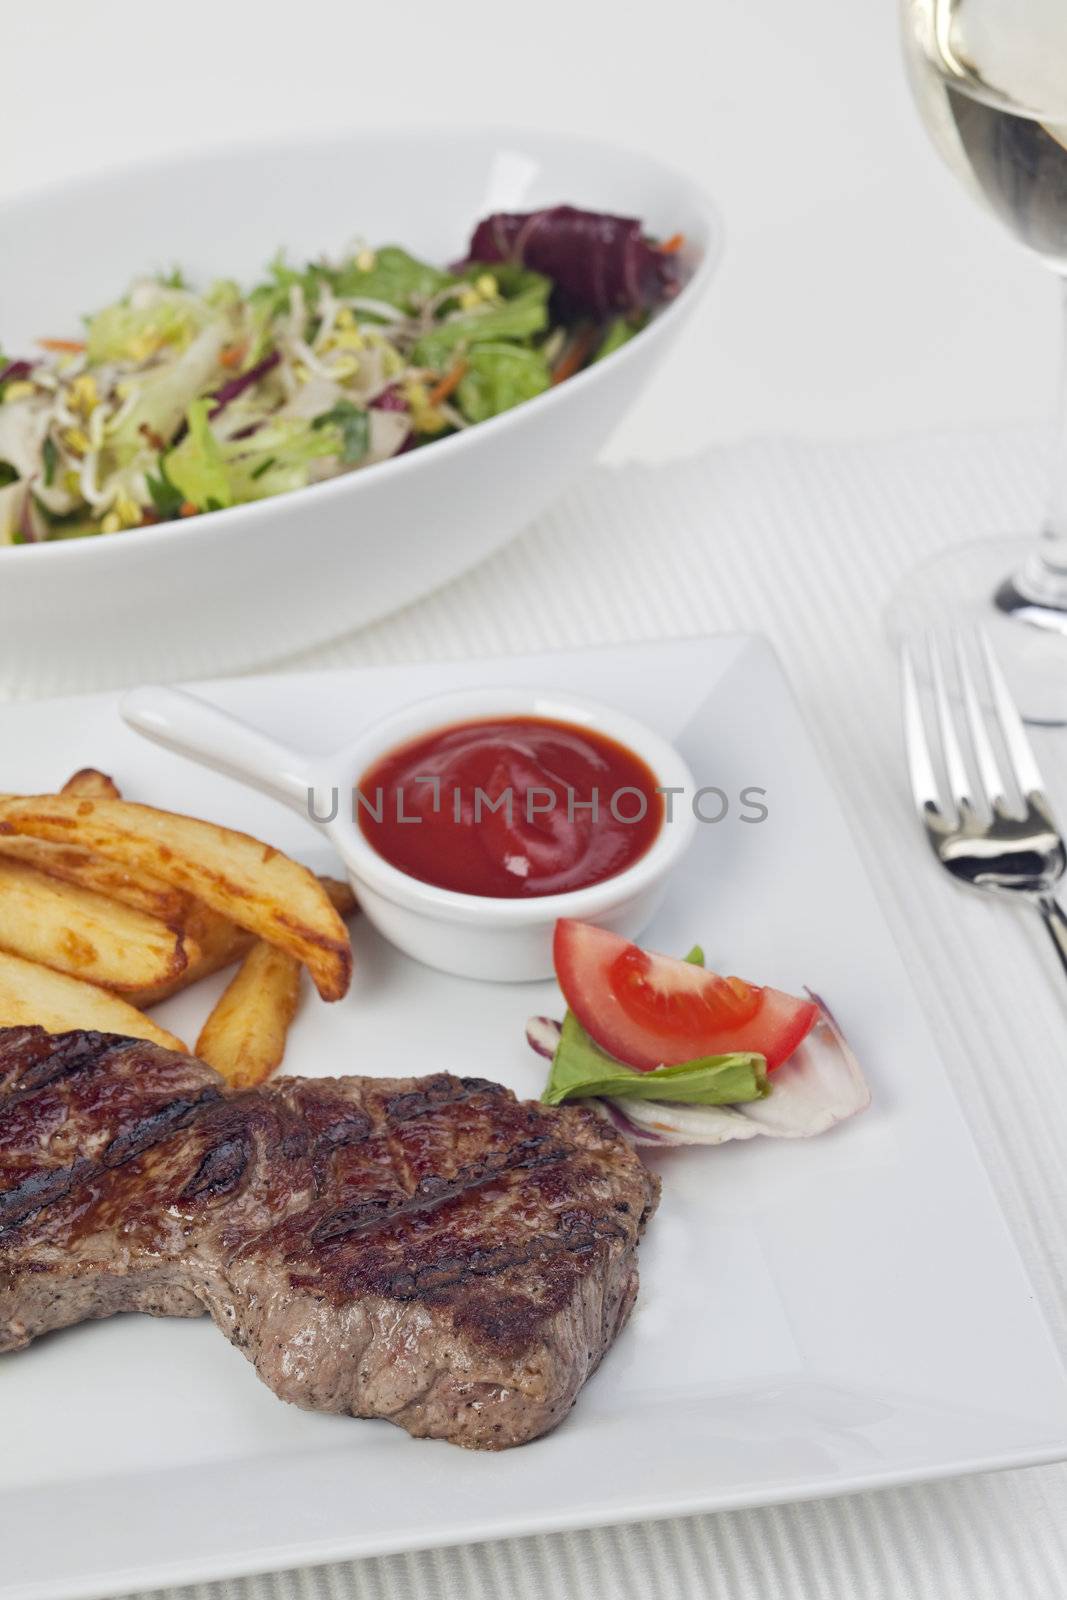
(862, 291)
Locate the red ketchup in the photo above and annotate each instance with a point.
(513, 807)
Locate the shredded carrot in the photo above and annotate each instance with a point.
(71, 347)
(188, 508)
(671, 246)
(448, 384)
(576, 354)
(232, 355)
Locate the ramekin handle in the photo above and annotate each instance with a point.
(195, 728)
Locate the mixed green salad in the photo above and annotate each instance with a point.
(176, 400)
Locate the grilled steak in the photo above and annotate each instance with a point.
(430, 1250)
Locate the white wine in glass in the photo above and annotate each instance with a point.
(990, 79)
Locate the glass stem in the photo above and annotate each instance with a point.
(1043, 579)
(1054, 533)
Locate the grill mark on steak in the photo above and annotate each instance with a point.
(77, 1103)
(153, 1128)
(221, 1169)
(79, 1052)
(37, 1191)
(368, 1276)
(82, 1053)
(432, 1190)
(430, 1250)
(435, 1093)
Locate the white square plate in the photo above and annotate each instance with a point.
(814, 1317)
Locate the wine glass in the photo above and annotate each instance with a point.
(990, 79)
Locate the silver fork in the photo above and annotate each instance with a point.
(978, 831)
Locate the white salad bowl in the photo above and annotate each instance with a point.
(229, 589)
(474, 936)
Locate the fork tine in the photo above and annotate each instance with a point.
(1023, 765)
(955, 768)
(991, 782)
(920, 766)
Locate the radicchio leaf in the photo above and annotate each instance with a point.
(235, 386)
(15, 371)
(600, 264)
(389, 399)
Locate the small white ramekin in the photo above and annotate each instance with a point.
(474, 936)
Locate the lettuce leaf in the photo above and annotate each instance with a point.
(135, 330)
(268, 299)
(166, 497)
(526, 314)
(353, 424)
(196, 467)
(163, 396)
(394, 276)
(580, 1069)
(619, 332)
(511, 278)
(500, 376)
(278, 457)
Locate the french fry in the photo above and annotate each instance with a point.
(77, 931)
(222, 942)
(34, 995)
(240, 877)
(244, 1037)
(342, 895)
(74, 864)
(93, 785)
(219, 942)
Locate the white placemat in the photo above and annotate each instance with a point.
(803, 542)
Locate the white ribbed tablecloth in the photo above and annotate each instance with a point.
(803, 542)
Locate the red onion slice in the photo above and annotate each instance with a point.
(612, 1111)
(543, 1035)
(820, 1085)
(659, 1122)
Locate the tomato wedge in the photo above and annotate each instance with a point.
(649, 1010)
